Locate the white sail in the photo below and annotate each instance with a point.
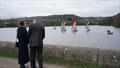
(63, 28)
(87, 27)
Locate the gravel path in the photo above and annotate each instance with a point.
(12, 63)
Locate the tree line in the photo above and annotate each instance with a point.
(53, 20)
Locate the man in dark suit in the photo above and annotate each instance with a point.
(36, 34)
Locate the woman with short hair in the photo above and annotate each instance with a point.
(23, 56)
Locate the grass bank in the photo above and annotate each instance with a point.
(53, 60)
(69, 57)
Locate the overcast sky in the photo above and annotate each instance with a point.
(22, 8)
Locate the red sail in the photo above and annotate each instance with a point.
(74, 25)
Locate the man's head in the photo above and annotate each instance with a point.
(35, 21)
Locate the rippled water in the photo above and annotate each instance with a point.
(97, 37)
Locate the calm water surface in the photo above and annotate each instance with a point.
(97, 37)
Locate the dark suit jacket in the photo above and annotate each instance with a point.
(36, 34)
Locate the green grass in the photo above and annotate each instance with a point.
(53, 60)
(69, 63)
(8, 52)
(12, 53)
(8, 55)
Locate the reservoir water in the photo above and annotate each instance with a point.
(97, 37)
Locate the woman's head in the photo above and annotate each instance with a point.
(22, 24)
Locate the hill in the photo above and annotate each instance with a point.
(52, 20)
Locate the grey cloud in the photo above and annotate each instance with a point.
(85, 8)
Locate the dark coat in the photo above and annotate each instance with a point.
(36, 34)
(23, 56)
